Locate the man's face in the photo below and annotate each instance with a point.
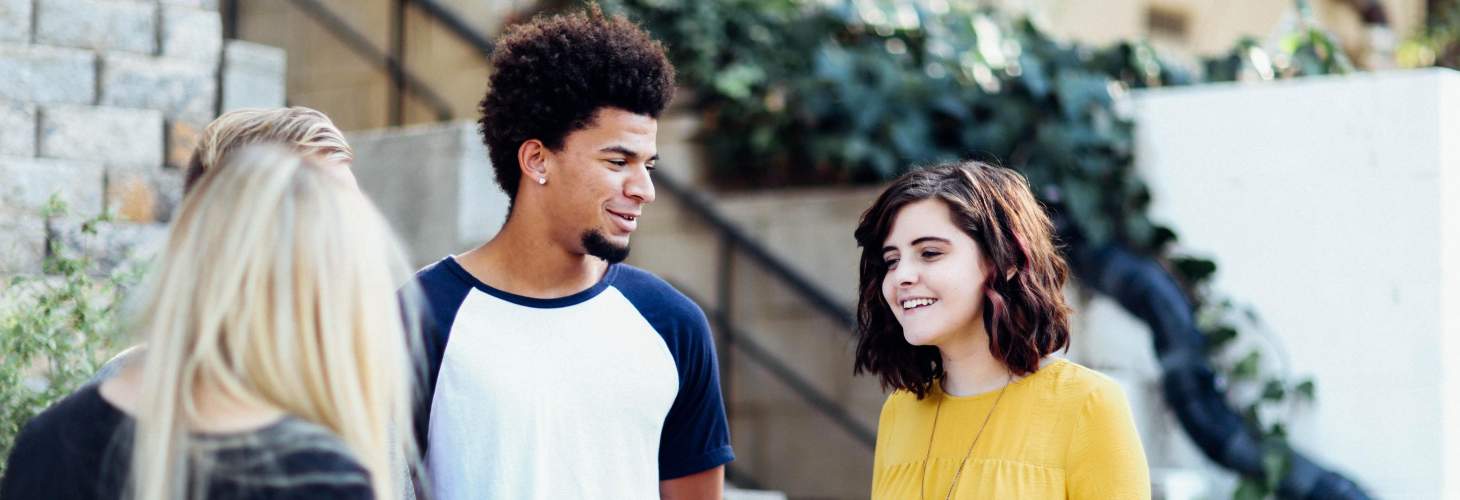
(599, 182)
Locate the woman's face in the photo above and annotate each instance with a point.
(935, 275)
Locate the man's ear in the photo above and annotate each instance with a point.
(533, 157)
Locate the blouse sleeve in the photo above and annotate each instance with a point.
(1105, 459)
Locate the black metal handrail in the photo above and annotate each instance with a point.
(803, 388)
(779, 268)
(453, 22)
(357, 42)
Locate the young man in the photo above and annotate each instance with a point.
(556, 371)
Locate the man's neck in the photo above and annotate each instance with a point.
(530, 263)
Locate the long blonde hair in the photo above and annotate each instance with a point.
(277, 286)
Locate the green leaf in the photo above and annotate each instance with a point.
(1274, 466)
(1273, 390)
(1305, 389)
(1248, 489)
(1194, 270)
(1247, 368)
(1219, 337)
(54, 207)
(736, 80)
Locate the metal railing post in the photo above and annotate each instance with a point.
(361, 45)
(725, 285)
(397, 72)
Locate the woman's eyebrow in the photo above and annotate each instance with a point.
(919, 241)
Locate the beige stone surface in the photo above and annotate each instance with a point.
(101, 134)
(97, 24)
(22, 243)
(143, 194)
(17, 128)
(30, 182)
(182, 138)
(47, 75)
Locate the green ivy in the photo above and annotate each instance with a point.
(55, 328)
(817, 92)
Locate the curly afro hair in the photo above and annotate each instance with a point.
(551, 75)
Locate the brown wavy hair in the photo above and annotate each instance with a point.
(1024, 309)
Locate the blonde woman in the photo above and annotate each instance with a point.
(306, 131)
(276, 360)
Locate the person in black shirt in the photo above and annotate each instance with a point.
(276, 363)
(78, 449)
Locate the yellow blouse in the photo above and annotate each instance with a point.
(1064, 431)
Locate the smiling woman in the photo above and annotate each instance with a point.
(961, 307)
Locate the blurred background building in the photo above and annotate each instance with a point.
(1330, 201)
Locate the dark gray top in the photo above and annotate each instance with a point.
(79, 448)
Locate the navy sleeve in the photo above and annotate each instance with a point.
(696, 435)
(443, 290)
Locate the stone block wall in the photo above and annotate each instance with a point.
(101, 104)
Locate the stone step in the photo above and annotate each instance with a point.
(97, 25)
(101, 134)
(179, 88)
(15, 19)
(17, 129)
(30, 182)
(47, 75)
(192, 34)
(253, 76)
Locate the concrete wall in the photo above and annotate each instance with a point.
(435, 185)
(1330, 207)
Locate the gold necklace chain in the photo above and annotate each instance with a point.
(922, 484)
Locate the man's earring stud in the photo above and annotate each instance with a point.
(541, 181)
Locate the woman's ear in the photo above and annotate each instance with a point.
(988, 269)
